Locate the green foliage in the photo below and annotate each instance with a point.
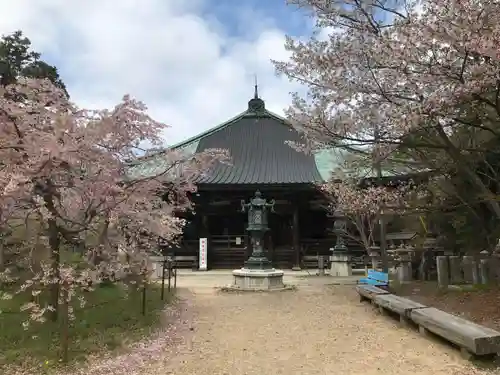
(17, 59)
(111, 318)
(464, 221)
(462, 231)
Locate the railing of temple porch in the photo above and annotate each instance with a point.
(283, 257)
(312, 248)
(228, 251)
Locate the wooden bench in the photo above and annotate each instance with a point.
(369, 292)
(473, 339)
(396, 304)
(375, 278)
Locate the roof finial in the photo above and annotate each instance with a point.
(256, 104)
(256, 93)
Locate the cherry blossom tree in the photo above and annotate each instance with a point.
(411, 77)
(362, 204)
(70, 170)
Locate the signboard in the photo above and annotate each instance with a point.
(203, 254)
(238, 240)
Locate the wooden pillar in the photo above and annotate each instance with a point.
(296, 238)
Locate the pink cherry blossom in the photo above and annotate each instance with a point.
(68, 169)
(419, 77)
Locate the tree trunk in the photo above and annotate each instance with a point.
(65, 327)
(2, 253)
(55, 257)
(103, 235)
(3, 237)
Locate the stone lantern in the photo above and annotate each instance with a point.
(339, 228)
(340, 259)
(257, 209)
(257, 273)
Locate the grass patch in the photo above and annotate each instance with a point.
(111, 318)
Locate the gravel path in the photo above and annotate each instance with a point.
(318, 329)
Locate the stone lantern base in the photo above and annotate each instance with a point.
(340, 264)
(258, 280)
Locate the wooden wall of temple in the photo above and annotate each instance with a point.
(298, 228)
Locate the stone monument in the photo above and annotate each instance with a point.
(257, 273)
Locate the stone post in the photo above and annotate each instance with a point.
(495, 267)
(468, 265)
(442, 271)
(484, 271)
(321, 265)
(475, 272)
(455, 270)
(492, 269)
(404, 269)
(340, 265)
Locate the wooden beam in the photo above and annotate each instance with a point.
(400, 305)
(368, 292)
(470, 336)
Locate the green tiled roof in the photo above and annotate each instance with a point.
(257, 142)
(155, 164)
(338, 162)
(329, 161)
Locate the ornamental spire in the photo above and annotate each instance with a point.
(256, 105)
(256, 93)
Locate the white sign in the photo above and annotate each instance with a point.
(203, 254)
(238, 240)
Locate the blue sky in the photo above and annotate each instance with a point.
(192, 62)
(236, 16)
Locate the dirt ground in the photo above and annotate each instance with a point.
(481, 305)
(317, 329)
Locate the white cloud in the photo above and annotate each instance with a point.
(189, 70)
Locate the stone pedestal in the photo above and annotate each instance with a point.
(258, 280)
(404, 272)
(340, 265)
(375, 257)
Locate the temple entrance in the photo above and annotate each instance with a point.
(227, 251)
(296, 229)
(228, 242)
